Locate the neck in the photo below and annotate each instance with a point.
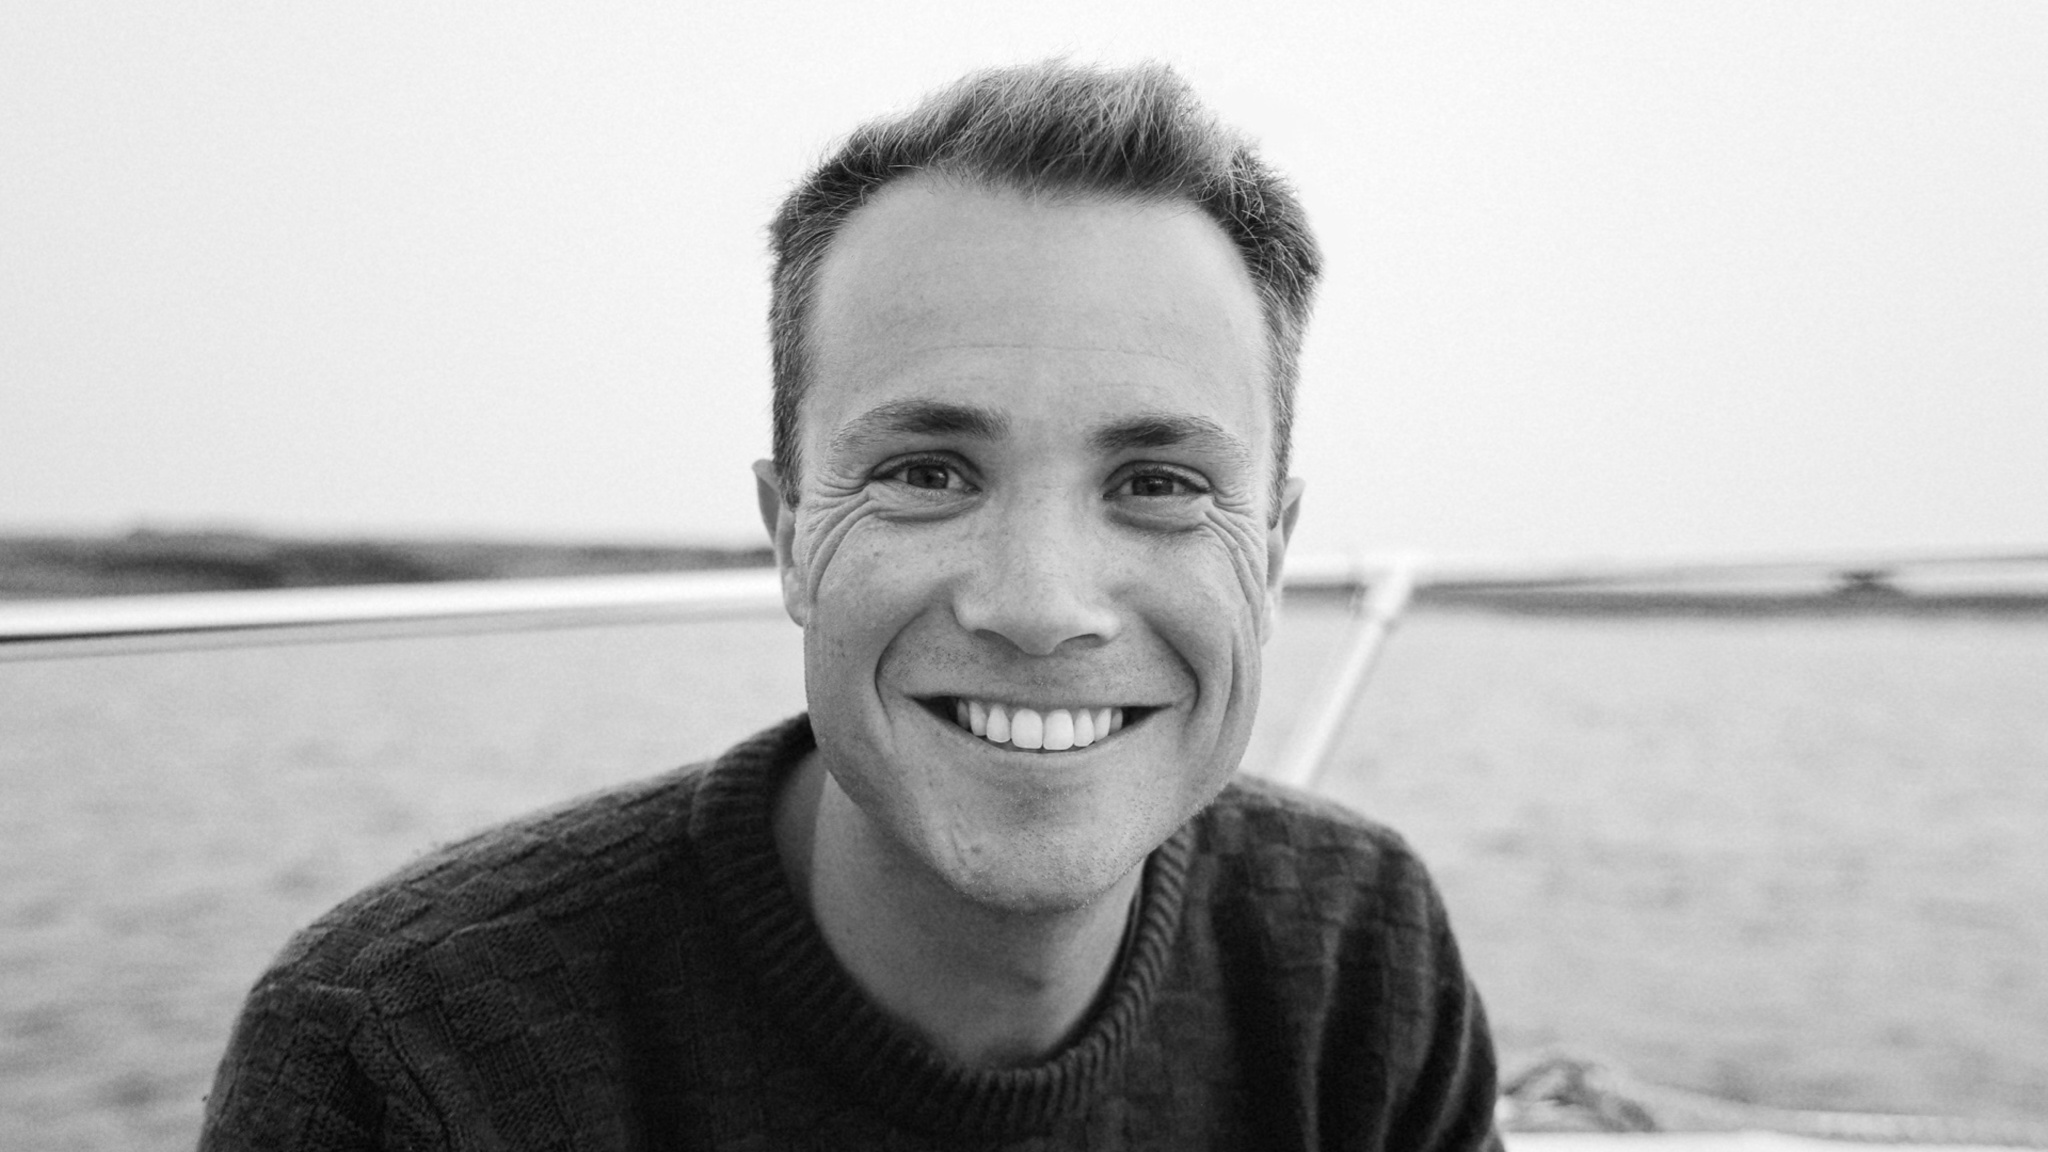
(984, 986)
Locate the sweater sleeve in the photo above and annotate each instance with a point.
(1452, 1102)
(309, 1069)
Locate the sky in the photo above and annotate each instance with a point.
(1604, 279)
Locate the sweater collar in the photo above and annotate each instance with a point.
(876, 1059)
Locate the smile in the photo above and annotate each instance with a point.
(1033, 729)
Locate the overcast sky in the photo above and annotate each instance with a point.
(1616, 278)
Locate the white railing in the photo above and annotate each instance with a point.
(30, 629)
(1376, 608)
(52, 627)
(1381, 588)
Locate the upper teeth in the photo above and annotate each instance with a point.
(1054, 730)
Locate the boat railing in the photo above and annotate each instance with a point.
(1380, 589)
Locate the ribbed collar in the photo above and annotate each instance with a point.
(877, 1060)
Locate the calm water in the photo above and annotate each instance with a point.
(1800, 861)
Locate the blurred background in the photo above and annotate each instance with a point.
(376, 293)
(1604, 277)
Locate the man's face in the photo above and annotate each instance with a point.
(1036, 453)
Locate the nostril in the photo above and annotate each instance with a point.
(1036, 615)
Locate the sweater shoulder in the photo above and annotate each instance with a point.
(1299, 856)
(1258, 815)
(1332, 921)
(587, 859)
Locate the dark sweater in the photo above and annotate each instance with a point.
(633, 971)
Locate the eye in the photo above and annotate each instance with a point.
(1158, 484)
(925, 474)
(928, 476)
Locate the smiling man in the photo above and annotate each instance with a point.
(1000, 887)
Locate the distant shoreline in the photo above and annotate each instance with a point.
(154, 562)
(149, 562)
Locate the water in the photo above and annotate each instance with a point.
(1801, 861)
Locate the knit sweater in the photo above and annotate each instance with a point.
(633, 971)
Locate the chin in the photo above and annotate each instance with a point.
(1024, 833)
(1044, 862)
(1031, 881)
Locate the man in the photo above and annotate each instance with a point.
(1034, 362)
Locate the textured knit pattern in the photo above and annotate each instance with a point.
(633, 971)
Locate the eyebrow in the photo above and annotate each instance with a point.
(938, 418)
(1173, 430)
(918, 418)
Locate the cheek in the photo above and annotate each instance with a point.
(1207, 601)
(865, 593)
(1245, 540)
(864, 575)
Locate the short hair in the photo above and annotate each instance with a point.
(1136, 133)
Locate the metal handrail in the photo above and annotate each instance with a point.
(1439, 571)
(31, 629)
(1381, 589)
(44, 628)
(1375, 608)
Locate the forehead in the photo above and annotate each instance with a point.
(953, 291)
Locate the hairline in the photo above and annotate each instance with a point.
(1274, 315)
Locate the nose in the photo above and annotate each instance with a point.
(1038, 579)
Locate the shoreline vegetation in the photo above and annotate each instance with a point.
(152, 561)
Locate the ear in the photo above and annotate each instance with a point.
(1277, 535)
(780, 520)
